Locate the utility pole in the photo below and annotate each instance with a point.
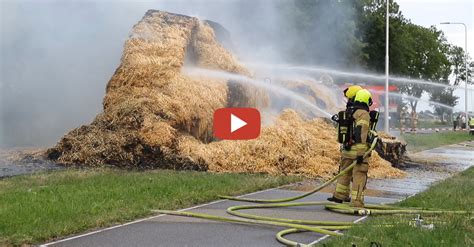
(386, 67)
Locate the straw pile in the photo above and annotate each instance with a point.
(155, 116)
(292, 146)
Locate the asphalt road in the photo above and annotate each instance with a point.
(166, 230)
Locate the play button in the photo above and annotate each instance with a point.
(236, 123)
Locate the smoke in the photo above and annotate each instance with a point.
(56, 56)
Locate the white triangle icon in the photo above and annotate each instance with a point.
(236, 123)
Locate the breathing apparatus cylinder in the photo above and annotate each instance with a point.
(345, 127)
(374, 119)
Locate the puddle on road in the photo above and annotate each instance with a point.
(417, 179)
(425, 168)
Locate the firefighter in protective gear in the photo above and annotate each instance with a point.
(344, 118)
(354, 152)
(414, 121)
(471, 126)
(403, 119)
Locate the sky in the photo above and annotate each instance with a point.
(432, 12)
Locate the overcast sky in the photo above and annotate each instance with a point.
(432, 12)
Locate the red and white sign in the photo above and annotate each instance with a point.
(236, 123)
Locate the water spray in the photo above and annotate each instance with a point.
(393, 79)
(255, 82)
(399, 95)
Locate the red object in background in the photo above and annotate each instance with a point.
(236, 123)
(378, 93)
(378, 97)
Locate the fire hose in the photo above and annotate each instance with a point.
(295, 225)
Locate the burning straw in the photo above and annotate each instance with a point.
(155, 116)
(292, 146)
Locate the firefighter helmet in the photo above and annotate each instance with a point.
(351, 91)
(364, 96)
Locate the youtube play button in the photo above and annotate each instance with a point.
(236, 123)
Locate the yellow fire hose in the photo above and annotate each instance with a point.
(295, 225)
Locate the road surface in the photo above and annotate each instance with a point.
(165, 230)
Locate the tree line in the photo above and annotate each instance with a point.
(351, 34)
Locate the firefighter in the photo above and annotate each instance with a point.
(403, 119)
(463, 121)
(414, 121)
(455, 123)
(471, 126)
(353, 150)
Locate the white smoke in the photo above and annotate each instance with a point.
(57, 55)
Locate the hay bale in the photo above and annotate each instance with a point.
(148, 101)
(292, 146)
(391, 148)
(156, 116)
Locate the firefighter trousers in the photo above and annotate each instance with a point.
(358, 175)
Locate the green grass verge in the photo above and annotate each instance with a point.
(420, 142)
(36, 208)
(432, 124)
(426, 124)
(455, 193)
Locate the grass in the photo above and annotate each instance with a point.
(426, 124)
(41, 207)
(455, 193)
(420, 142)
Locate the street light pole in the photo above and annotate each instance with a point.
(386, 67)
(465, 60)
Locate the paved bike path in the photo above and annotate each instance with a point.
(167, 230)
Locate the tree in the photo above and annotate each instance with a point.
(457, 61)
(371, 31)
(321, 32)
(416, 52)
(456, 57)
(446, 97)
(427, 60)
(402, 42)
(348, 33)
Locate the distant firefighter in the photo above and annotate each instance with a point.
(403, 119)
(455, 123)
(463, 122)
(414, 121)
(471, 126)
